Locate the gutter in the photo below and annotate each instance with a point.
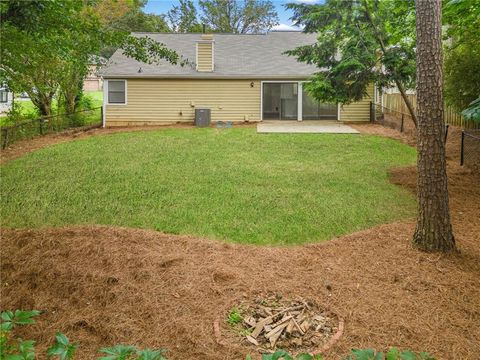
(209, 77)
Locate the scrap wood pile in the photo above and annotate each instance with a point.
(272, 323)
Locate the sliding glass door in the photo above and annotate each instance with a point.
(280, 101)
(314, 110)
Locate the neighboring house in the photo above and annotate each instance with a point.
(239, 77)
(6, 99)
(23, 96)
(93, 81)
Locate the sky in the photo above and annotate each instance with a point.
(162, 6)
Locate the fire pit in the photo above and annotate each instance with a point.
(270, 323)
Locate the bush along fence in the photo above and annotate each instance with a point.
(470, 149)
(50, 124)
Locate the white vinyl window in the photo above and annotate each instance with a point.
(3, 96)
(117, 92)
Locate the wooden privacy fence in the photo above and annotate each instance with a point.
(50, 124)
(395, 102)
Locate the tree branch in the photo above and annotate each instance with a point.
(383, 49)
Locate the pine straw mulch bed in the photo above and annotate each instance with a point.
(104, 285)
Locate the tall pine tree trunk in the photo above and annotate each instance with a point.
(434, 230)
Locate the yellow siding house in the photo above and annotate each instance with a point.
(238, 77)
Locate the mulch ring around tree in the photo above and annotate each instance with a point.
(273, 322)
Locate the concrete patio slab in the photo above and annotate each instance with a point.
(305, 127)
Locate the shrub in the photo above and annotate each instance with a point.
(76, 119)
(357, 354)
(12, 348)
(282, 354)
(18, 114)
(85, 103)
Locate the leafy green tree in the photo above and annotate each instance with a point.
(134, 19)
(32, 51)
(111, 11)
(183, 17)
(462, 74)
(359, 43)
(461, 20)
(48, 45)
(240, 17)
(138, 21)
(103, 36)
(462, 52)
(126, 16)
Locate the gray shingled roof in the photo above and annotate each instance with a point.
(236, 56)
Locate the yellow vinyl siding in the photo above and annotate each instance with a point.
(161, 101)
(205, 56)
(167, 101)
(358, 111)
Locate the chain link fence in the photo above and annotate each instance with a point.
(452, 116)
(470, 149)
(49, 124)
(396, 120)
(402, 122)
(391, 118)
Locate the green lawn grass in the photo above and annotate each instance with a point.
(231, 184)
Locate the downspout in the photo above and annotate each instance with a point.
(104, 106)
